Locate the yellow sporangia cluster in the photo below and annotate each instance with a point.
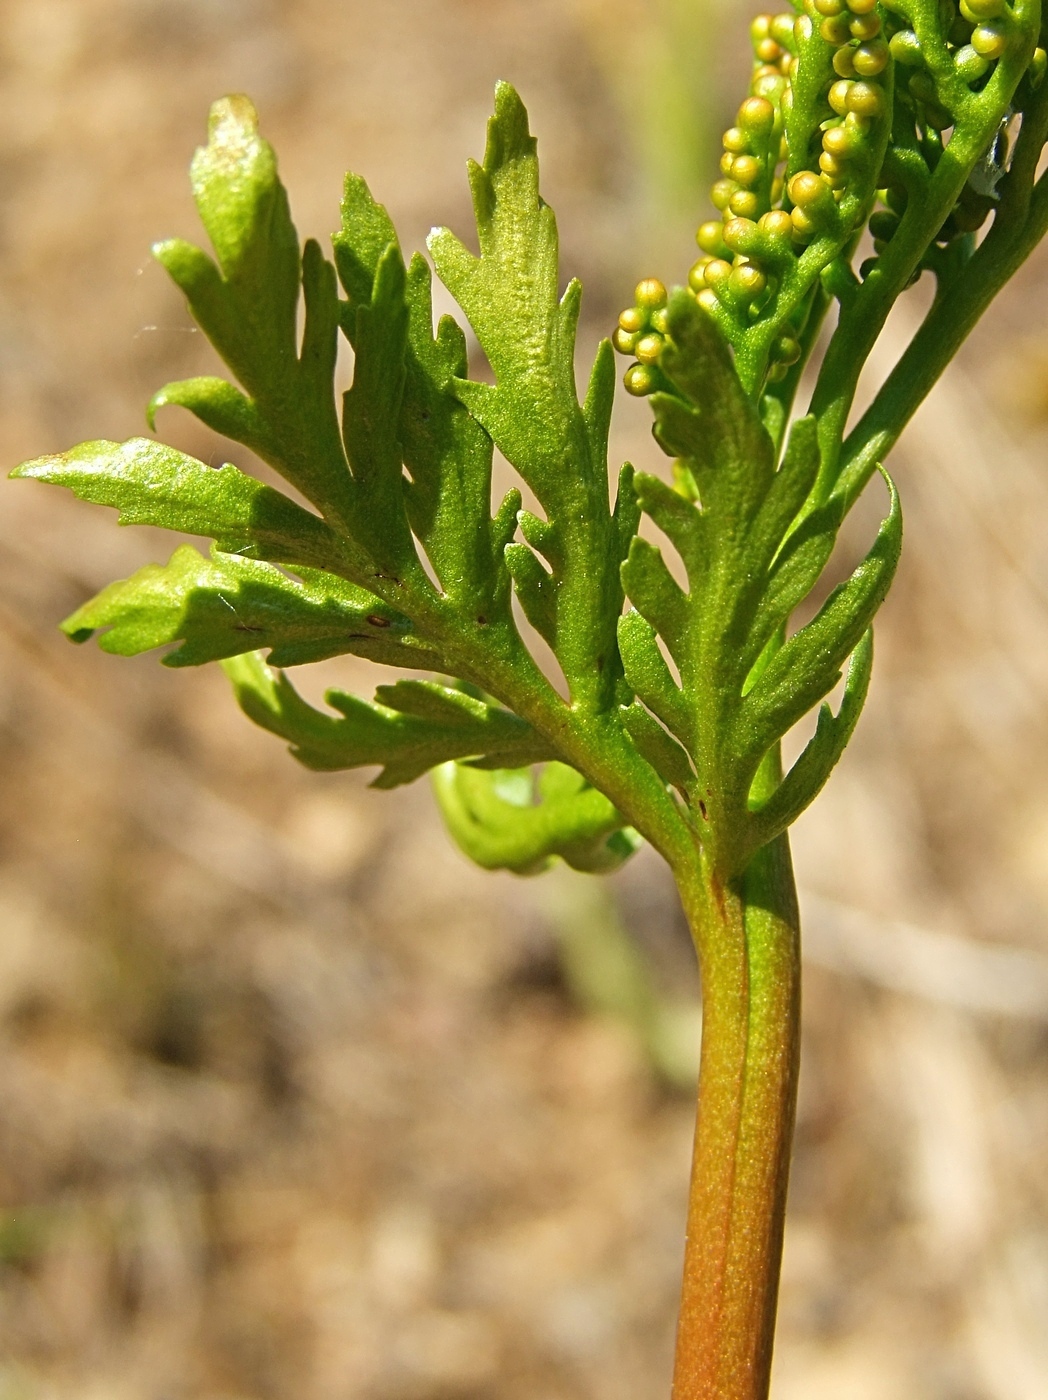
(766, 220)
(769, 210)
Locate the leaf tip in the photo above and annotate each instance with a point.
(164, 248)
(508, 104)
(232, 119)
(509, 134)
(36, 467)
(688, 319)
(391, 272)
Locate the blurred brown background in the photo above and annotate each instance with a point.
(296, 1105)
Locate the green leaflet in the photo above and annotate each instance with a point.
(370, 426)
(650, 678)
(219, 405)
(750, 559)
(502, 822)
(661, 750)
(446, 452)
(247, 304)
(809, 665)
(536, 588)
(510, 293)
(226, 605)
(150, 484)
(410, 728)
(809, 773)
(511, 297)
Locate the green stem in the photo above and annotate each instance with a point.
(863, 318)
(940, 336)
(747, 933)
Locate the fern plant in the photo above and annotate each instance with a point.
(913, 121)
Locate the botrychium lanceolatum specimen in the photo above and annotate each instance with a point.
(917, 124)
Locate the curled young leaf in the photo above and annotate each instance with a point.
(505, 821)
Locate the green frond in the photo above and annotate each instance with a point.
(679, 686)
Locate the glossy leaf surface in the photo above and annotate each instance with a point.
(673, 702)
